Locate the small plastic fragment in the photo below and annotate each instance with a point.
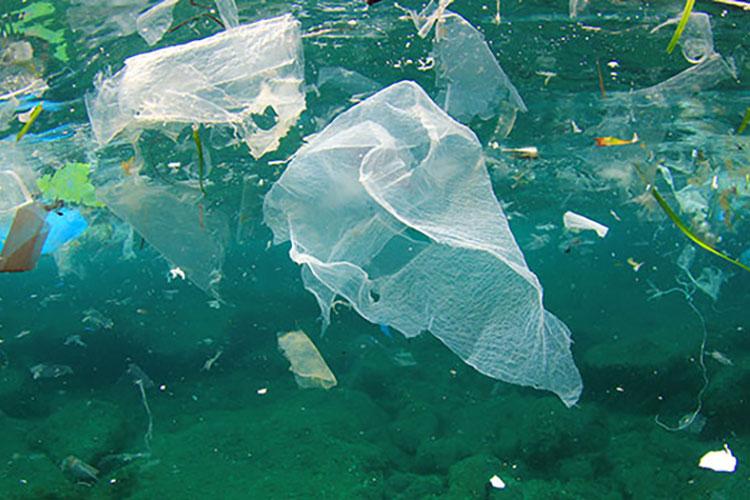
(228, 13)
(719, 461)
(309, 368)
(576, 222)
(497, 483)
(155, 22)
(79, 471)
(49, 371)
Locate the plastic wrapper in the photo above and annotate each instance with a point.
(227, 79)
(309, 368)
(391, 208)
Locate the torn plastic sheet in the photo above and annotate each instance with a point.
(427, 17)
(154, 23)
(228, 13)
(391, 207)
(575, 7)
(229, 78)
(174, 221)
(470, 79)
(309, 368)
(697, 41)
(713, 70)
(101, 21)
(576, 222)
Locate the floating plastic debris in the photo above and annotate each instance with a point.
(50, 371)
(96, 319)
(497, 483)
(614, 141)
(173, 220)
(309, 368)
(74, 340)
(78, 470)
(471, 81)
(576, 222)
(154, 23)
(719, 461)
(370, 218)
(227, 79)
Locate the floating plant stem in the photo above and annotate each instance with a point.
(32, 118)
(681, 25)
(690, 234)
(601, 79)
(201, 159)
(745, 122)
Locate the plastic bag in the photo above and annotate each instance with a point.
(229, 78)
(391, 207)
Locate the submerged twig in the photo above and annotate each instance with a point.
(735, 3)
(201, 160)
(601, 79)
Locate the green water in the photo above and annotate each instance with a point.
(408, 419)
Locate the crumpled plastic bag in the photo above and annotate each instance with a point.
(224, 79)
(391, 207)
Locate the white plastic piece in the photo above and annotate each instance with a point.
(719, 461)
(228, 13)
(576, 222)
(156, 21)
(309, 368)
(224, 79)
(391, 208)
(497, 483)
(426, 19)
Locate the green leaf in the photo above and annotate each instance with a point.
(681, 25)
(745, 122)
(70, 184)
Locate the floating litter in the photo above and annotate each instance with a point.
(576, 222)
(719, 461)
(497, 483)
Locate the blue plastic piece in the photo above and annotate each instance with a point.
(65, 224)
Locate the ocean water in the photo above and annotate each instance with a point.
(120, 379)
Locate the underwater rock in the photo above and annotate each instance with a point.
(391, 207)
(229, 78)
(309, 368)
